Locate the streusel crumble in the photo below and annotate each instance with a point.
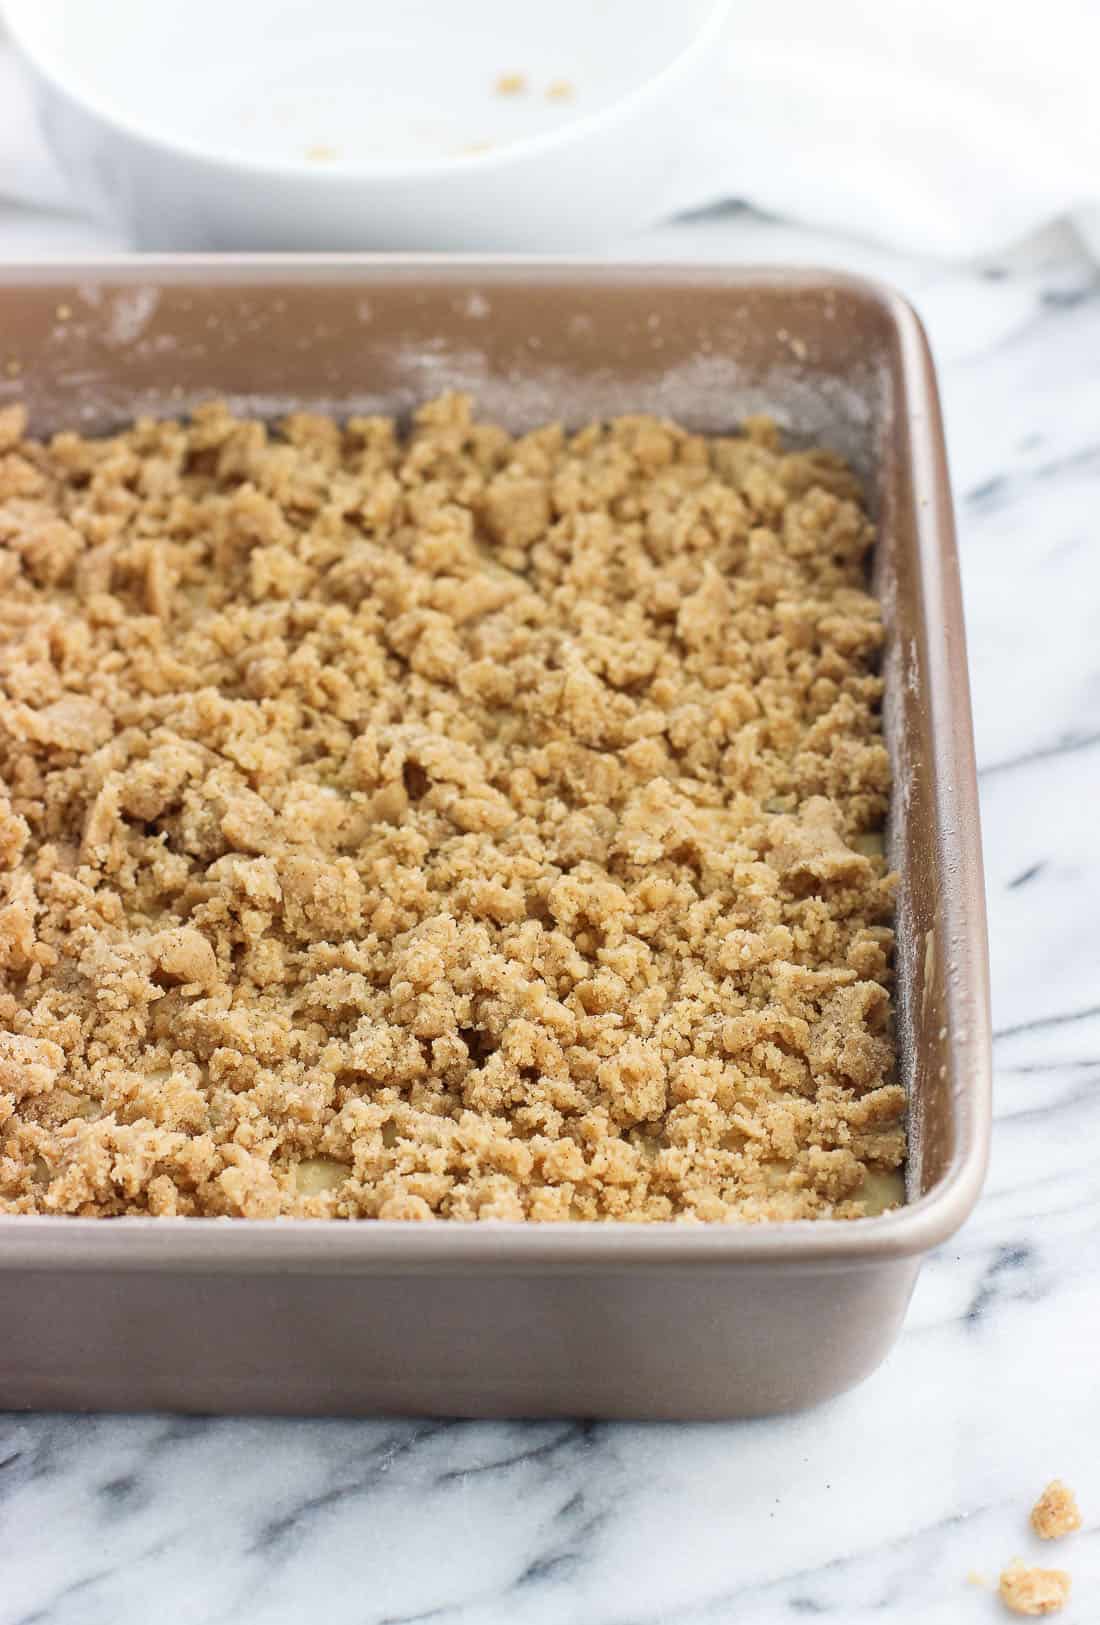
(441, 824)
(1033, 1591)
(1056, 1513)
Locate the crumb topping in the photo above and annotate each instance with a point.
(1025, 1590)
(441, 824)
(1055, 1513)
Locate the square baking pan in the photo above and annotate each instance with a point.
(586, 1319)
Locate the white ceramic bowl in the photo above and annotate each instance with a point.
(340, 124)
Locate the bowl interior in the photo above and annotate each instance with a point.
(337, 82)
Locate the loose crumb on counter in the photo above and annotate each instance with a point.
(511, 84)
(441, 824)
(1055, 1514)
(560, 90)
(1031, 1591)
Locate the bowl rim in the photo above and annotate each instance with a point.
(20, 16)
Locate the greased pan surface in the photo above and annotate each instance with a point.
(599, 1320)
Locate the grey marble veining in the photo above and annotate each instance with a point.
(878, 1505)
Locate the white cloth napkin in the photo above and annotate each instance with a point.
(947, 128)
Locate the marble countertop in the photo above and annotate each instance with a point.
(881, 1503)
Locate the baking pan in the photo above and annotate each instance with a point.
(511, 1320)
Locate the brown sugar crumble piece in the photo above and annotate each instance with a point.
(441, 824)
(511, 84)
(560, 90)
(1031, 1591)
(1055, 1513)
